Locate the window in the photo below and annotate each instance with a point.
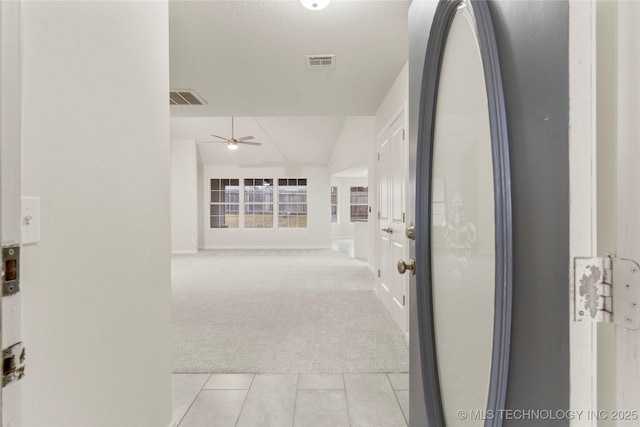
(334, 205)
(258, 203)
(292, 203)
(225, 203)
(359, 204)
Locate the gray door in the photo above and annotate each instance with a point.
(463, 221)
(532, 43)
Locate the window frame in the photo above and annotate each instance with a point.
(253, 184)
(301, 207)
(362, 189)
(224, 203)
(334, 205)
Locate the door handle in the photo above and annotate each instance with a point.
(404, 266)
(411, 232)
(388, 230)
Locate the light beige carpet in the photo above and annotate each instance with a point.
(280, 311)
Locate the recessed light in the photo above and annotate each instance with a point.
(315, 4)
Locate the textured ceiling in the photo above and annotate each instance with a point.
(247, 58)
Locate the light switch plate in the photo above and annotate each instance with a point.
(30, 220)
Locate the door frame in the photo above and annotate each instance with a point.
(627, 361)
(604, 151)
(11, 187)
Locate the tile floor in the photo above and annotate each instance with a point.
(288, 400)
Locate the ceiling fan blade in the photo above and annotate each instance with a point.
(213, 142)
(249, 143)
(246, 138)
(226, 139)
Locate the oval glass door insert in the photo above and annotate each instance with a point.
(463, 226)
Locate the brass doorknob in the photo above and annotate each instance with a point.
(411, 232)
(404, 266)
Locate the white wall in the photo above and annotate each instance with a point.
(96, 151)
(395, 99)
(318, 231)
(184, 196)
(353, 144)
(344, 228)
(200, 190)
(10, 120)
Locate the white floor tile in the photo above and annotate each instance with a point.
(283, 400)
(321, 408)
(372, 401)
(185, 388)
(403, 400)
(270, 402)
(215, 408)
(321, 382)
(399, 381)
(229, 382)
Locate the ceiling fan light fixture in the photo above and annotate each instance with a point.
(315, 4)
(233, 142)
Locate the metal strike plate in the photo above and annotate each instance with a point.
(626, 293)
(13, 364)
(11, 270)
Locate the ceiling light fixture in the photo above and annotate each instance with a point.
(232, 145)
(315, 4)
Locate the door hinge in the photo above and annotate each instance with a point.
(378, 156)
(378, 214)
(403, 134)
(378, 272)
(607, 289)
(403, 217)
(404, 300)
(13, 363)
(10, 270)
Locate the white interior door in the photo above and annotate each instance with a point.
(392, 286)
(10, 201)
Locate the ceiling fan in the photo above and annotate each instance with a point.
(233, 142)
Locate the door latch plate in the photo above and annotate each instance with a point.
(11, 270)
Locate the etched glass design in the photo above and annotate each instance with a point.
(463, 226)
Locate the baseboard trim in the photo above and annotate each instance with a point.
(184, 252)
(267, 247)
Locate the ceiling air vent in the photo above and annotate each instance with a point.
(185, 97)
(321, 61)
